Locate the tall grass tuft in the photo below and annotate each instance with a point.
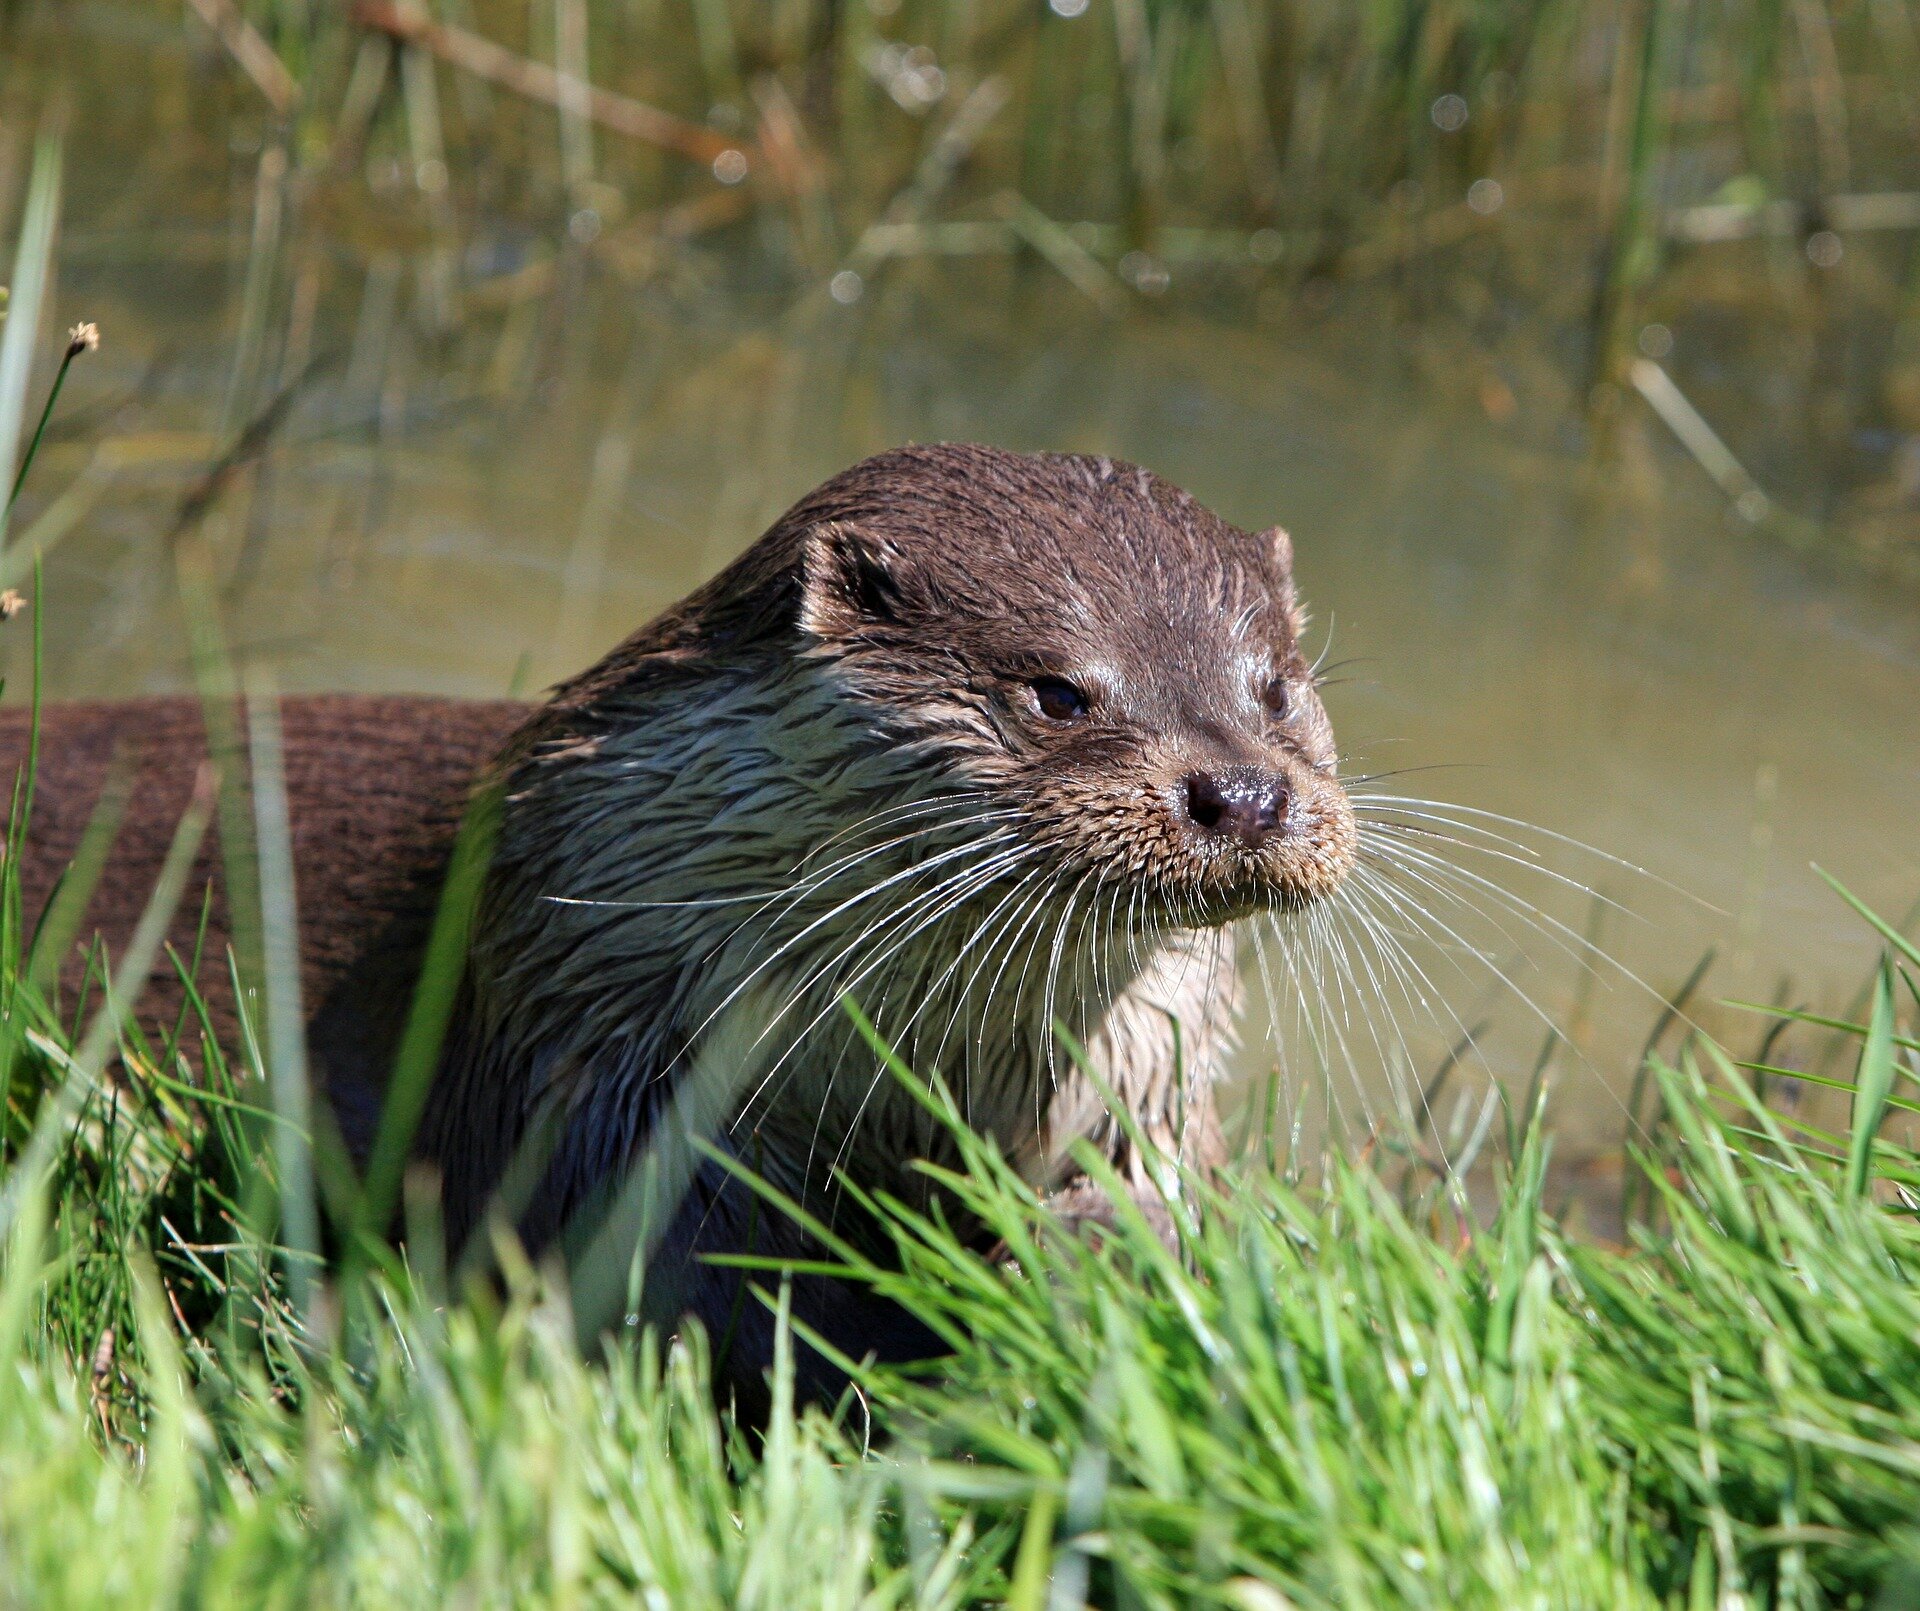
(1324, 1393)
(1185, 138)
(1318, 1397)
(1546, 207)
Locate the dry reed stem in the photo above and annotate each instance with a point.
(251, 52)
(539, 82)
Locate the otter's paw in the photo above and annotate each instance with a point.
(1083, 1209)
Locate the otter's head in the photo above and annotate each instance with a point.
(1096, 649)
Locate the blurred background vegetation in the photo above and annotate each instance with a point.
(1557, 194)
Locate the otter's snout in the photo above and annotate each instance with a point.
(1243, 803)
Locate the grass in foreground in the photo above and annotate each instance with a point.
(1324, 1399)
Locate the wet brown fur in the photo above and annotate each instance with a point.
(376, 786)
(878, 645)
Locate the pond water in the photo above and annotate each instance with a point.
(476, 503)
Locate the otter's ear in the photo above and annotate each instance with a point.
(1280, 552)
(847, 582)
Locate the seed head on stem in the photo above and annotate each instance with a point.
(83, 337)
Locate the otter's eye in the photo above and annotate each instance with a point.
(1275, 697)
(1059, 701)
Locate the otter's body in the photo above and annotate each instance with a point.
(979, 741)
(376, 783)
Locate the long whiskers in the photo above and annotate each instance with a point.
(1565, 840)
(1436, 898)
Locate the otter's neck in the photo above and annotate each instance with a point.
(673, 880)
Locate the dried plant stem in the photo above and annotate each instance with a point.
(538, 82)
(254, 55)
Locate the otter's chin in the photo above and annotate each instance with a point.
(1310, 874)
(1215, 908)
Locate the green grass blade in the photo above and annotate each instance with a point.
(430, 1013)
(77, 343)
(32, 264)
(59, 924)
(82, 1070)
(1032, 1569)
(1888, 932)
(1873, 1084)
(286, 1024)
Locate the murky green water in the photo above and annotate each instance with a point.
(491, 502)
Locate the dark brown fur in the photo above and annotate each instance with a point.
(878, 645)
(376, 786)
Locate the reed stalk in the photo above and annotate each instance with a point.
(32, 265)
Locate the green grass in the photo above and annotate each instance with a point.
(1332, 1394)
(1132, 145)
(1326, 1398)
(1526, 192)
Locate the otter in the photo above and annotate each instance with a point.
(982, 742)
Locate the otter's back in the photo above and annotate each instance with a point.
(376, 785)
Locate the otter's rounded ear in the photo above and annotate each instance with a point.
(847, 582)
(1280, 549)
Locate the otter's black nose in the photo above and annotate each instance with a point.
(1243, 801)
